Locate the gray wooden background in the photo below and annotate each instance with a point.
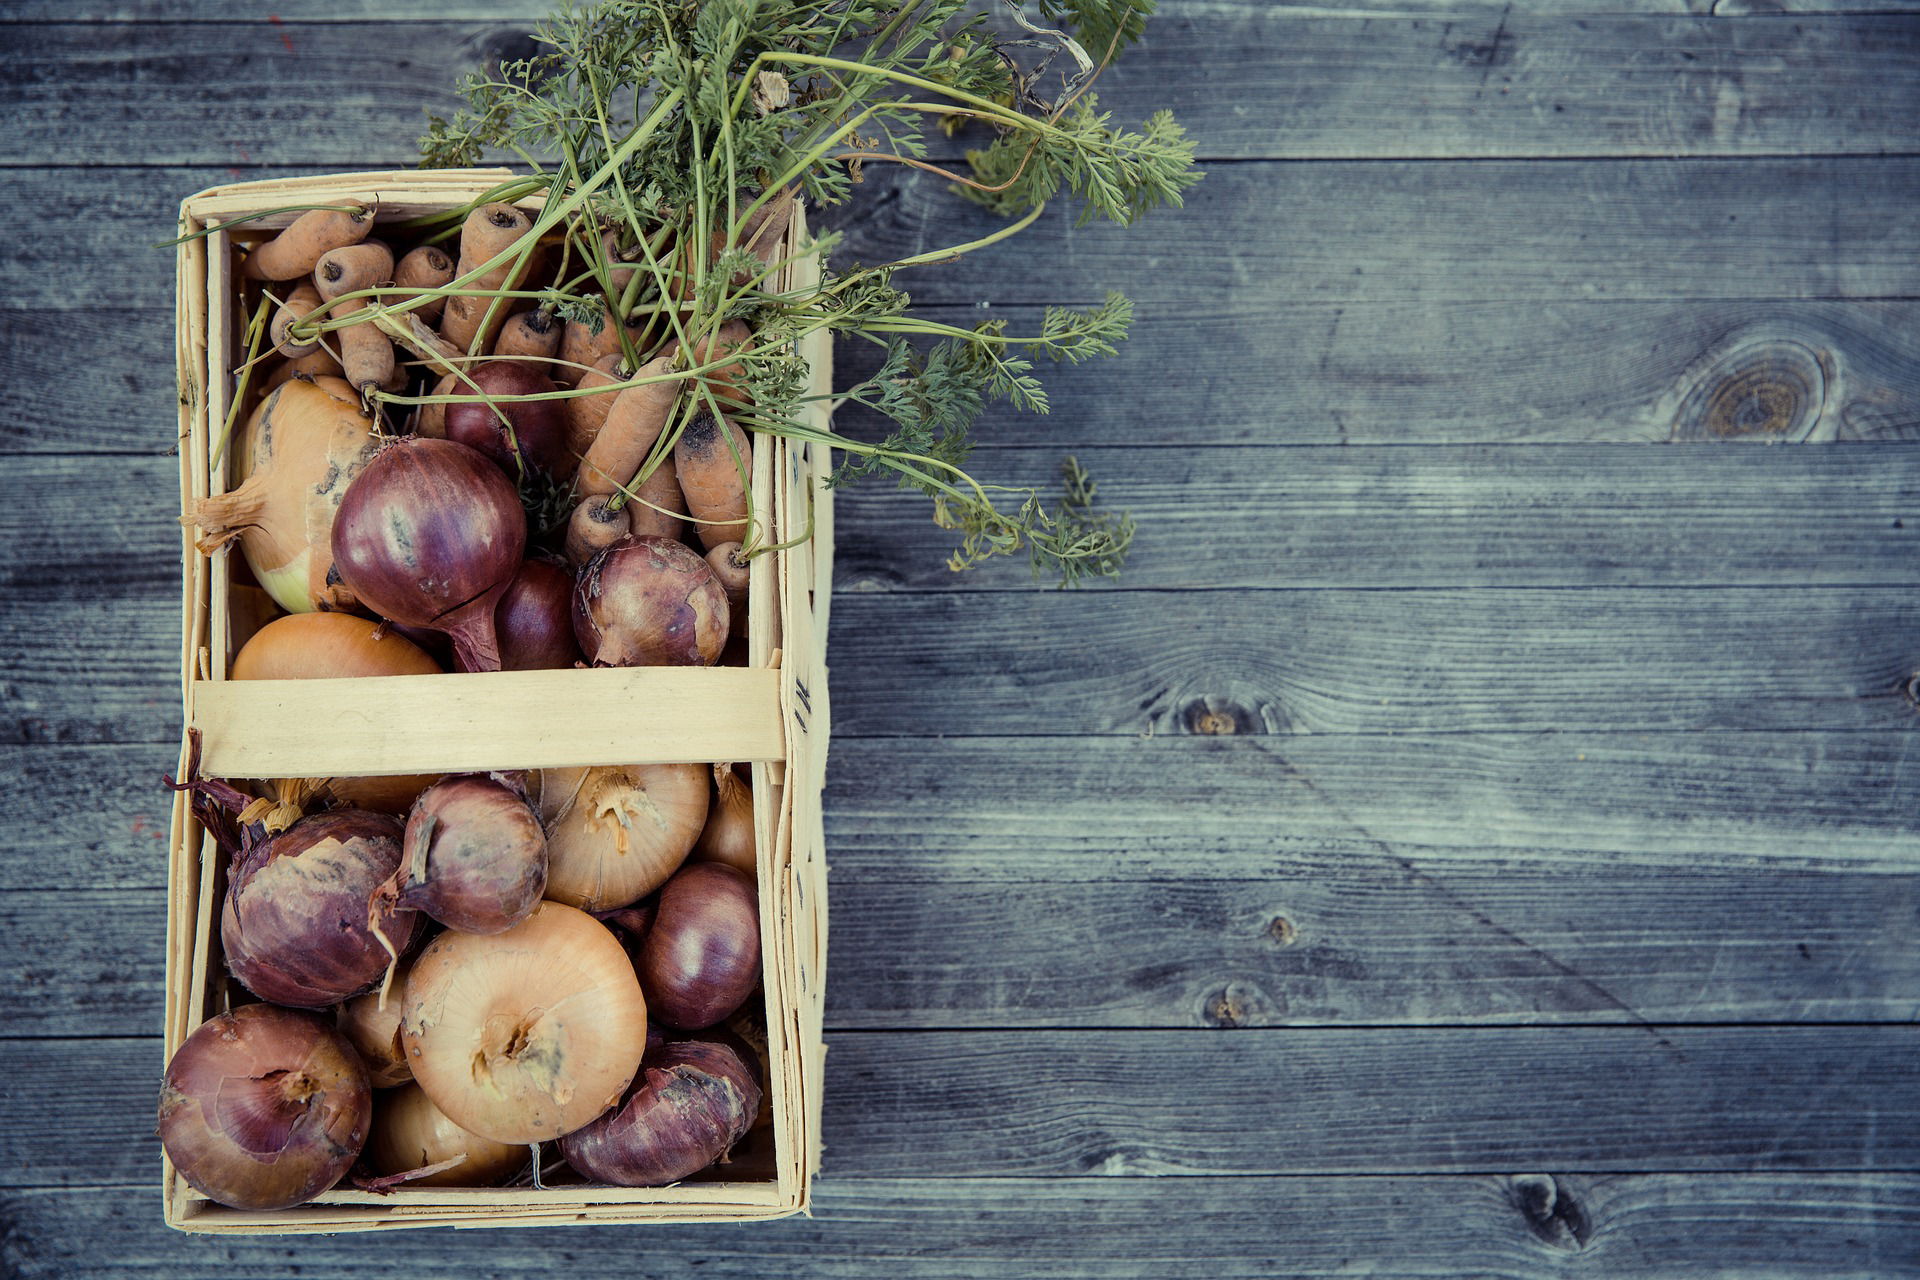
(1476, 838)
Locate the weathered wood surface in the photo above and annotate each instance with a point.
(1135, 662)
(1532, 1225)
(1277, 83)
(1044, 1104)
(1684, 516)
(1253, 235)
(1534, 812)
(1432, 372)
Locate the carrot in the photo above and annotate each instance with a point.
(620, 274)
(296, 305)
(634, 422)
(581, 345)
(316, 364)
(661, 504)
(292, 253)
(730, 569)
(592, 528)
(424, 269)
(531, 333)
(724, 381)
(711, 478)
(433, 417)
(585, 414)
(365, 352)
(490, 230)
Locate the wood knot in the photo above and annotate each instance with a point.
(1281, 930)
(1216, 717)
(1768, 389)
(1552, 1214)
(1234, 1005)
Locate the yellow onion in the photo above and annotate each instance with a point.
(298, 453)
(615, 833)
(728, 835)
(371, 1025)
(525, 1035)
(311, 646)
(409, 1133)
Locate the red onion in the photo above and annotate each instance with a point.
(300, 924)
(475, 858)
(692, 1100)
(647, 601)
(264, 1108)
(429, 534)
(539, 426)
(534, 619)
(701, 958)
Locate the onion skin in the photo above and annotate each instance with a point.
(539, 426)
(409, 1132)
(649, 602)
(534, 619)
(701, 958)
(264, 1108)
(392, 794)
(525, 1035)
(474, 856)
(302, 448)
(429, 534)
(319, 646)
(297, 924)
(374, 1032)
(694, 1099)
(728, 835)
(615, 834)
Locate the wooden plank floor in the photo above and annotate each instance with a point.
(1481, 834)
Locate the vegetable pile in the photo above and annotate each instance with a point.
(614, 329)
(567, 956)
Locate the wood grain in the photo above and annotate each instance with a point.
(1057, 1104)
(1367, 373)
(1696, 515)
(1524, 233)
(1280, 83)
(1531, 1225)
(1626, 660)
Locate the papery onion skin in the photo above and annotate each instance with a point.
(474, 857)
(647, 601)
(694, 1099)
(728, 835)
(539, 426)
(534, 619)
(409, 1132)
(525, 1035)
(388, 793)
(264, 1108)
(295, 922)
(429, 534)
(301, 449)
(318, 646)
(701, 958)
(615, 833)
(374, 1031)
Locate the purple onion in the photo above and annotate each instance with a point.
(300, 917)
(475, 858)
(648, 601)
(539, 433)
(428, 535)
(692, 1101)
(701, 959)
(264, 1108)
(534, 619)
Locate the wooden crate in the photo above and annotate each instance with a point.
(773, 713)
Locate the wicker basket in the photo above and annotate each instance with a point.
(772, 713)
